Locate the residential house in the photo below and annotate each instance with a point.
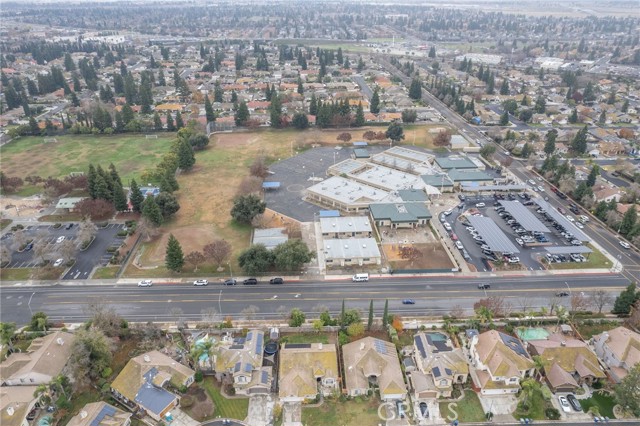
(240, 362)
(619, 349)
(100, 414)
(372, 362)
(501, 361)
(606, 194)
(15, 404)
(306, 370)
(568, 362)
(441, 364)
(43, 360)
(345, 227)
(141, 383)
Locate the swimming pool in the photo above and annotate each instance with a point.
(532, 333)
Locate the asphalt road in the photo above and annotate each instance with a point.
(432, 296)
(360, 81)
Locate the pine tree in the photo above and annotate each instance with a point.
(300, 87)
(242, 114)
(370, 321)
(208, 109)
(313, 105)
(218, 93)
(573, 118)
(275, 111)
(341, 319)
(151, 211)
(119, 199)
(119, 122)
(171, 127)
(179, 121)
(161, 79)
(34, 129)
(415, 90)
(157, 122)
(91, 181)
(127, 114)
(186, 158)
(135, 197)
(504, 118)
(174, 258)
(374, 107)
(385, 314)
(360, 120)
(593, 174)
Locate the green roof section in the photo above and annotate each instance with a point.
(361, 153)
(447, 163)
(469, 176)
(399, 212)
(413, 195)
(437, 180)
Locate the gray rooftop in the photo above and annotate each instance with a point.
(524, 216)
(457, 175)
(153, 398)
(270, 237)
(386, 178)
(353, 248)
(562, 220)
(348, 192)
(414, 167)
(361, 153)
(569, 250)
(346, 167)
(438, 181)
(492, 234)
(345, 224)
(466, 187)
(455, 162)
(399, 212)
(410, 154)
(413, 195)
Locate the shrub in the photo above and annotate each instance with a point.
(343, 338)
(198, 376)
(107, 372)
(552, 413)
(122, 233)
(186, 401)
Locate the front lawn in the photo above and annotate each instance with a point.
(466, 411)
(355, 412)
(105, 273)
(236, 408)
(306, 338)
(603, 402)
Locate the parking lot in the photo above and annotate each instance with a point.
(530, 245)
(85, 260)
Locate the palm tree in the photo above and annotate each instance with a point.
(58, 383)
(484, 315)
(42, 392)
(539, 365)
(204, 347)
(7, 330)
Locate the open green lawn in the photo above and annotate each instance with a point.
(536, 405)
(236, 408)
(131, 154)
(588, 331)
(468, 410)
(355, 412)
(306, 338)
(5, 222)
(602, 401)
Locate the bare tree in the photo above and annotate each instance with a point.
(67, 250)
(5, 255)
(19, 239)
(104, 317)
(250, 312)
(195, 258)
(178, 317)
(250, 185)
(210, 316)
(578, 303)
(554, 302)
(612, 218)
(634, 318)
(146, 229)
(494, 304)
(344, 137)
(86, 230)
(260, 221)
(456, 312)
(218, 251)
(600, 299)
(259, 168)
(567, 184)
(41, 250)
(524, 304)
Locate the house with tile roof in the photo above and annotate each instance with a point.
(100, 414)
(441, 364)
(619, 349)
(43, 360)
(240, 361)
(15, 404)
(568, 362)
(141, 383)
(500, 362)
(372, 362)
(306, 370)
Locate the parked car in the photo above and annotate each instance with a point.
(574, 402)
(424, 410)
(201, 282)
(276, 280)
(448, 212)
(562, 294)
(480, 205)
(484, 286)
(520, 241)
(447, 226)
(459, 245)
(28, 247)
(58, 263)
(69, 226)
(564, 404)
(250, 281)
(461, 197)
(60, 239)
(230, 281)
(145, 283)
(442, 219)
(408, 302)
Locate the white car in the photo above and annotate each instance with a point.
(145, 283)
(579, 225)
(513, 259)
(459, 245)
(60, 239)
(625, 244)
(540, 188)
(201, 282)
(58, 263)
(564, 404)
(570, 218)
(480, 205)
(442, 219)
(519, 241)
(448, 212)
(532, 182)
(447, 226)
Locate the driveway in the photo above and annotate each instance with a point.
(96, 254)
(260, 410)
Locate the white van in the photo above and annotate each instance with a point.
(360, 277)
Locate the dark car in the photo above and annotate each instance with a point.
(276, 280)
(562, 294)
(424, 410)
(69, 226)
(250, 281)
(484, 286)
(230, 281)
(408, 302)
(574, 402)
(28, 247)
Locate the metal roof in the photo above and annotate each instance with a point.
(270, 185)
(569, 250)
(349, 224)
(524, 216)
(562, 220)
(493, 235)
(399, 212)
(351, 248)
(329, 213)
(493, 187)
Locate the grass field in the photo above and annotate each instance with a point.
(206, 193)
(602, 401)
(131, 154)
(236, 408)
(588, 331)
(468, 410)
(5, 222)
(355, 412)
(306, 338)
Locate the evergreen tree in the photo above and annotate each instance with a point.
(179, 121)
(593, 174)
(573, 118)
(174, 258)
(602, 118)
(242, 114)
(74, 99)
(491, 83)
(385, 314)
(579, 142)
(504, 118)
(151, 211)
(360, 64)
(171, 127)
(275, 111)
(550, 144)
(91, 181)
(339, 58)
(629, 221)
(541, 105)
(218, 93)
(525, 101)
(69, 65)
(504, 89)
(119, 199)
(300, 87)
(370, 320)
(313, 105)
(34, 129)
(127, 114)
(415, 90)
(157, 122)
(208, 109)
(119, 122)
(161, 79)
(432, 52)
(626, 299)
(374, 106)
(360, 120)
(234, 97)
(135, 196)
(186, 158)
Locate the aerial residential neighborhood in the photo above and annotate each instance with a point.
(296, 213)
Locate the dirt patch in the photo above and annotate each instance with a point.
(21, 208)
(202, 407)
(191, 238)
(431, 256)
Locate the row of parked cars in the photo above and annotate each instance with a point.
(568, 402)
(230, 281)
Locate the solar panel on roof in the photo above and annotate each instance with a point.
(248, 368)
(264, 377)
(107, 410)
(513, 344)
(236, 367)
(249, 335)
(298, 345)
(380, 346)
(420, 346)
(259, 344)
(436, 372)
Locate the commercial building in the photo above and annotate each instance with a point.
(354, 251)
(345, 227)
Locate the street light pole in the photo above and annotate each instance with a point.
(219, 302)
(29, 303)
(568, 288)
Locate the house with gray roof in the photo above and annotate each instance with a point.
(270, 237)
(345, 227)
(476, 177)
(354, 251)
(455, 162)
(400, 215)
(441, 182)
